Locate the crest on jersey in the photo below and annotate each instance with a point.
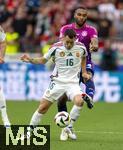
(77, 54)
(84, 33)
(62, 54)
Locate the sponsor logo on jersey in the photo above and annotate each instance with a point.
(77, 54)
(62, 54)
(84, 33)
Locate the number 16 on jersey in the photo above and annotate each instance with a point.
(69, 62)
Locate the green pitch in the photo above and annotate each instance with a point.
(97, 129)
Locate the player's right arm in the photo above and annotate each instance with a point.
(26, 58)
(41, 60)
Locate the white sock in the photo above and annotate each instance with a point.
(36, 118)
(3, 109)
(5, 117)
(2, 99)
(74, 114)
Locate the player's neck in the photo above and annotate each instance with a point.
(79, 27)
(67, 48)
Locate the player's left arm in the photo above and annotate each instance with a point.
(94, 45)
(83, 65)
(85, 75)
(94, 40)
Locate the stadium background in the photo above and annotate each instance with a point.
(32, 26)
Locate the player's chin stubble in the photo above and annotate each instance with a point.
(80, 24)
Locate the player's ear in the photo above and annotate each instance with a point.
(74, 15)
(87, 15)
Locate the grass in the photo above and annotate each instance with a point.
(97, 129)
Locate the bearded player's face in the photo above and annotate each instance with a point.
(80, 16)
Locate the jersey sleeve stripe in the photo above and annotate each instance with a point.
(53, 53)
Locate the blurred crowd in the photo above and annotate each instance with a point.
(33, 25)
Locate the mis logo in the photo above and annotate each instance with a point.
(13, 138)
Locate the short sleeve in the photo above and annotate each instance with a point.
(93, 33)
(50, 53)
(61, 32)
(84, 52)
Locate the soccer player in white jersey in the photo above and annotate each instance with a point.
(69, 56)
(2, 97)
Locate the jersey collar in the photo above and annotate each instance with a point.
(74, 26)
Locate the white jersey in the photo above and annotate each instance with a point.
(67, 62)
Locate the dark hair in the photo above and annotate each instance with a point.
(70, 33)
(80, 7)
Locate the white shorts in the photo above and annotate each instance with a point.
(56, 90)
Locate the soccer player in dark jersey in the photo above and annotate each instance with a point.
(87, 35)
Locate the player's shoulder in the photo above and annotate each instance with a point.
(67, 26)
(56, 45)
(80, 45)
(90, 27)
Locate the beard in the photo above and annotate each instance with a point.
(80, 23)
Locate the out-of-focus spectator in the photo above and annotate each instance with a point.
(28, 44)
(12, 39)
(118, 21)
(93, 12)
(33, 3)
(109, 60)
(20, 21)
(42, 28)
(4, 12)
(104, 27)
(119, 26)
(107, 9)
(38, 21)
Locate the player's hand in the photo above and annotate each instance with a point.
(1, 29)
(86, 76)
(2, 35)
(25, 58)
(93, 47)
(1, 60)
